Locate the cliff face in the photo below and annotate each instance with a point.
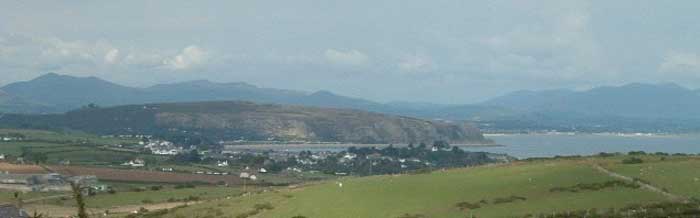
(234, 120)
(311, 124)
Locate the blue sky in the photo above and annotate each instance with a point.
(456, 51)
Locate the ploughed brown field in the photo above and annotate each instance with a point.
(21, 169)
(123, 175)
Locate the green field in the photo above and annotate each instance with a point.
(678, 175)
(437, 194)
(69, 136)
(147, 196)
(79, 148)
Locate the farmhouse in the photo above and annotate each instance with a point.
(163, 148)
(35, 182)
(138, 162)
(222, 163)
(245, 175)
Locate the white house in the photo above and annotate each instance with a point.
(349, 156)
(222, 163)
(2, 156)
(253, 177)
(138, 162)
(244, 175)
(262, 170)
(166, 151)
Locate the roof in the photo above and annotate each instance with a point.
(11, 211)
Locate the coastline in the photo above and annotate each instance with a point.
(266, 146)
(593, 134)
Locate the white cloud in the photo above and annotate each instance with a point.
(189, 57)
(561, 47)
(415, 63)
(680, 62)
(351, 57)
(112, 56)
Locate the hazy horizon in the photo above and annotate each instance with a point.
(453, 52)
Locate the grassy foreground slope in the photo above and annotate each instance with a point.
(527, 184)
(677, 175)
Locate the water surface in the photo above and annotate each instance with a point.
(549, 145)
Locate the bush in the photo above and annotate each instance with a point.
(412, 216)
(186, 185)
(595, 186)
(263, 206)
(192, 198)
(510, 199)
(632, 160)
(636, 153)
(466, 205)
(140, 189)
(156, 187)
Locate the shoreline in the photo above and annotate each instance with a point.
(592, 134)
(337, 146)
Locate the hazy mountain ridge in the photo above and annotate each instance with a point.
(635, 100)
(232, 120)
(667, 105)
(61, 93)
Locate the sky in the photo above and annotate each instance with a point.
(441, 51)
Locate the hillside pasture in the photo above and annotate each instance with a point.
(512, 190)
(677, 175)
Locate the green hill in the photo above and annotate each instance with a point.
(234, 120)
(514, 190)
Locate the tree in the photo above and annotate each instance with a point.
(457, 150)
(39, 158)
(192, 156)
(80, 202)
(441, 144)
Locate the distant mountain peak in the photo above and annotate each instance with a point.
(324, 93)
(51, 76)
(55, 77)
(209, 84)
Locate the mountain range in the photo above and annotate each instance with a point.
(651, 103)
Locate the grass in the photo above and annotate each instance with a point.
(79, 148)
(436, 194)
(77, 154)
(167, 194)
(69, 136)
(678, 175)
(7, 196)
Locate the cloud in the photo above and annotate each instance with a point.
(189, 57)
(680, 62)
(415, 63)
(561, 47)
(351, 57)
(112, 56)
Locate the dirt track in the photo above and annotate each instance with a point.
(646, 186)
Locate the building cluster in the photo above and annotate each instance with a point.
(138, 162)
(44, 182)
(11, 139)
(162, 147)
